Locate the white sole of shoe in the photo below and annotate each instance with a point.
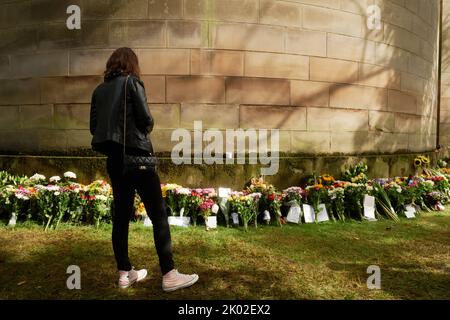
(181, 286)
(133, 282)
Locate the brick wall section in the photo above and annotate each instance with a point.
(311, 68)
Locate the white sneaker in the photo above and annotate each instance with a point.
(127, 278)
(174, 280)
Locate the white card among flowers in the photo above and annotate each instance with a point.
(147, 221)
(294, 213)
(410, 212)
(308, 213)
(322, 215)
(369, 207)
(179, 221)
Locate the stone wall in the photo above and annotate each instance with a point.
(445, 78)
(311, 68)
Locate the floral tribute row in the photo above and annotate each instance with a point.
(323, 198)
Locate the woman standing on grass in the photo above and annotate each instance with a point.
(107, 127)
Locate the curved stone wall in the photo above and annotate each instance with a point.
(311, 68)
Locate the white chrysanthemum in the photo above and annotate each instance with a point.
(101, 197)
(37, 177)
(52, 188)
(21, 196)
(55, 179)
(70, 175)
(57, 193)
(185, 191)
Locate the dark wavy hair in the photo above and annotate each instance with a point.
(123, 61)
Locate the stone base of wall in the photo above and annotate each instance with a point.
(293, 170)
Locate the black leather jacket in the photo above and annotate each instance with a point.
(107, 115)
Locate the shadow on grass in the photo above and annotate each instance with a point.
(296, 262)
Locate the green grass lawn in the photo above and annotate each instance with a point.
(326, 261)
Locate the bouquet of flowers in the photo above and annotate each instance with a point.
(293, 195)
(275, 201)
(193, 202)
(383, 202)
(354, 197)
(315, 195)
(336, 195)
(168, 193)
(181, 196)
(356, 174)
(435, 199)
(245, 206)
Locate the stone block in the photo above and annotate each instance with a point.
(115, 9)
(420, 67)
(320, 3)
(280, 13)
(350, 48)
(165, 115)
(14, 14)
(164, 61)
(222, 10)
(376, 76)
(43, 11)
(246, 37)
(72, 116)
(332, 70)
(217, 62)
(68, 90)
(137, 34)
(20, 40)
(161, 140)
(273, 65)
(18, 141)
(165, 9)
(19, 92)
(405, 123)
(78, 139)
(40, 64)
(272, 117)
(358, 97)
(88, 62)
(401, 102)
(351, 142)
(310, 142)
(56, 36)
(4, 67)
(257, 91)
(387, 55)
(187, 34)
(155, 88)
(395, 14)
(52, 140)
(405, 39)
(195, 89)
(212, 116)
(412, 83)
(9, 117)
(337, 120)
(306, 42)
(332, 21)
(36, 116)
(356, 6)
(381, 121)
(309, 93)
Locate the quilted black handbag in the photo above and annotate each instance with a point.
(133, 162)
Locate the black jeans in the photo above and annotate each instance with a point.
(148, 186)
